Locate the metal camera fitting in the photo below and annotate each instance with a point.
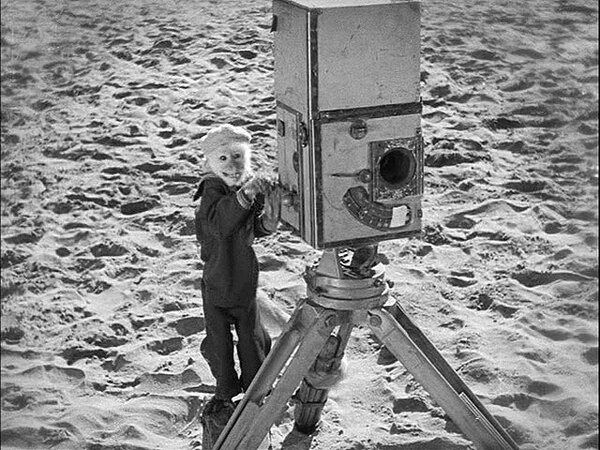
(375, 320)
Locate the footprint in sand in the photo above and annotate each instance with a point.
(176, 188)
(139, 206)
(12, 257)
(533, 278)
(76, 353)
(521, 400)
(410, 404)
(10, 331)
(479, 369)
(166, 346)
(187, 326)
(485, 55)
(543, 388)
(24, 237)
(140, 323)
(559, 333)
(51, 375)
(168, 382)
(517, 85)
(449, 152)
(108, 249)
(150, 167)
(591, 356)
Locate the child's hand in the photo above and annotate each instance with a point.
(255, 186)
(272, 208)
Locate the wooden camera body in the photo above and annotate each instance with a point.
(349, 142)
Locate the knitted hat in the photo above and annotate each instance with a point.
(222, 136)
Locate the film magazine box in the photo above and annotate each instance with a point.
(349, 139)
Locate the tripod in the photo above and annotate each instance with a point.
(338, 299)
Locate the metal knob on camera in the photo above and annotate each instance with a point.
(364, 176)
(289, 199)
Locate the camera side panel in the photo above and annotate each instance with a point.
(290, 55)
(368, 55)
(291, 166)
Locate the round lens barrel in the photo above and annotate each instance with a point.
(397, 166)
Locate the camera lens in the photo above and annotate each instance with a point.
(397, 166)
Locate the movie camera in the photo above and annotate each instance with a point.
(348, 119)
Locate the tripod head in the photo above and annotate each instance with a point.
(338, 282)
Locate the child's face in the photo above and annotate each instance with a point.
(231, 163)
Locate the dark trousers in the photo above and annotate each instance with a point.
(217, 348)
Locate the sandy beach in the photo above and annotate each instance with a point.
(102, 107)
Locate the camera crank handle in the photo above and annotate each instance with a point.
(364, 175)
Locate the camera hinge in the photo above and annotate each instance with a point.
(302, 134)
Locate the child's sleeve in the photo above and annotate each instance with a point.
(223, 210)
(259, 227)
(264, 223)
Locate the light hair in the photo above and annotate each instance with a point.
(223, 135)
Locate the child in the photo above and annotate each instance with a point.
(229, 217)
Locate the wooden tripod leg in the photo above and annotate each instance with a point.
(306, 332)
(311, 400)
(424, 362)
(276, 359)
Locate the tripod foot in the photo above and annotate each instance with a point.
(309, 405)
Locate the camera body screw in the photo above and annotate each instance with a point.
(332, 320)
(375, 321)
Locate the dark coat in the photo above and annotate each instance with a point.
(226, 230)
